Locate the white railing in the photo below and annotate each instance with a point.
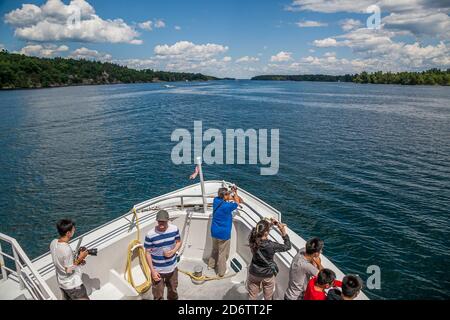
(151, 204)
(26, 275)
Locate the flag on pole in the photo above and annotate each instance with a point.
(195, 174)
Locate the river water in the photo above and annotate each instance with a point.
(365, 167)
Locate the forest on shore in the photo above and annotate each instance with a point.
(19, 71)
(428, 77)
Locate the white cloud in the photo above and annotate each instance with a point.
(387, 54)
(29, 14)
(350, 24)
(247, 59)
(88, 54)
(160, 24)
(380, 49)
(329, 6)
(310, 24)
(149, 25)
(189, 50)
(360, 6)
(327, 42)
(2, 46)
(146, 25)
(44, 51)
(281, 56)
(77, 21)
(178, 28)
(328, 64)
(418, 17)
(186, 56)
(329, 54)
(138, 64)
(421, 23)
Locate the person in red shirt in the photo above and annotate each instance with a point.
(318, 284)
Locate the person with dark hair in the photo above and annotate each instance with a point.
(317, 285)
(263, 269)
(306, 264)
(351, 287)
(334, 294)
(222, 220)
(67, 264)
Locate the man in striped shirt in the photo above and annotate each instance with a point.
(162, 244)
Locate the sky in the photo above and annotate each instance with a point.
(235, 38)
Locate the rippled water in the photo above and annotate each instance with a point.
(366, 167)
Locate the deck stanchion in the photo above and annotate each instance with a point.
(2, 266)
(18, 268)
(202, 182)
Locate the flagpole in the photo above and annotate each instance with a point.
(202, 182)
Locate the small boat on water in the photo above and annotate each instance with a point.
(168, 86)
(190, 209)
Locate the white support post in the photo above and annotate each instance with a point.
(202, 182)
(2, 266)
(18, 268)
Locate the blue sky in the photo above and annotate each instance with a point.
(234, 38)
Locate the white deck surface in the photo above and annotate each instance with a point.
(228, 288)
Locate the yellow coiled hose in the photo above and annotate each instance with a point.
(204, 277)
(137, 245)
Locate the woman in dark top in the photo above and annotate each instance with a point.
(263, 269)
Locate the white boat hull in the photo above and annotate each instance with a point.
(104, 275)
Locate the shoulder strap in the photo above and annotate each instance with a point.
(262, 257)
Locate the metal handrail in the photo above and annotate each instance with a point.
(29, 278)
(146, 205)
(149, 203)
(141, 207)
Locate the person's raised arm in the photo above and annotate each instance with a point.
(236, 198)
(80, 260)
(317, 262)
(286, 246)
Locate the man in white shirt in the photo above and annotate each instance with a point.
(67, 265)
(306, 264)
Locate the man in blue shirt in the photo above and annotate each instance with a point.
(222, 221)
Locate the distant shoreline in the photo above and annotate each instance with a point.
(21, 72)
(429, 77)
(104, 84)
